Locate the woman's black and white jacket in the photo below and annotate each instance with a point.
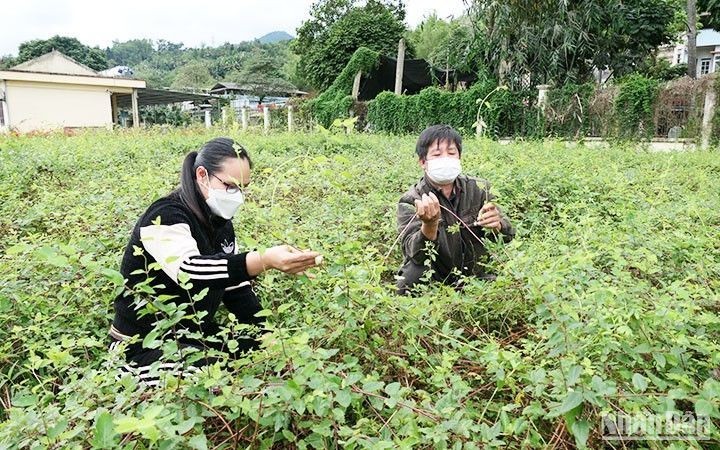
(169, 234)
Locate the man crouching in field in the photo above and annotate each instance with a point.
(428, 215)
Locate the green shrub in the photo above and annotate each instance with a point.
(165, 115)
(568, 110)
(412, 113)
(634, 107)
(335, 102)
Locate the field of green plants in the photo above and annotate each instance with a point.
(607, 301)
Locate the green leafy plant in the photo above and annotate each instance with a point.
(412, 113)
(335, 102)
(607, 300)
(634, 106)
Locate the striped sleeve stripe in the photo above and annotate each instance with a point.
(237, 286)
(203, 269)
(215, 276)
(163, 367)
(206, 262)
(144, 377)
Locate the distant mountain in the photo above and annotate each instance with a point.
(275, 36)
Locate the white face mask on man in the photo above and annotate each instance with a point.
(443, 170)
(223, 203)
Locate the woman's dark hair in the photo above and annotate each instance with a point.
(211, 156)
(437, 133)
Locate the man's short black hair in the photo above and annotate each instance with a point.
(437, 133)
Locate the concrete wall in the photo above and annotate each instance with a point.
(45, 106)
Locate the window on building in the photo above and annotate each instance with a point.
(2, 113)
(704, 66)
(716, 66)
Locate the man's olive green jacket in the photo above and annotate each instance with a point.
(456, 247)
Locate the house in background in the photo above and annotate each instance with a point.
(53, 91)
(708, 52)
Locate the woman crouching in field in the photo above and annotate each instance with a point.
(187, 238)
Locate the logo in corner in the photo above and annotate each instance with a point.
(228, 247)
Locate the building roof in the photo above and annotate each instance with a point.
(147, 97)
(55, 67)
(54, 62)
(223, 87)
(83, 80)
(708, 38)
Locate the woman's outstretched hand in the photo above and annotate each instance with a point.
(284, 258)
(288, 259)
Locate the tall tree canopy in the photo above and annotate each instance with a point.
(445, 43)
(130, 53)
(554, 41)
(193, 76)
(709, 11)
(262, 74)
(337, 28)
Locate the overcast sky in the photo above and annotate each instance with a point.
(209, 22)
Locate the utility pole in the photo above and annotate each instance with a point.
(692, 38)
(400, 67)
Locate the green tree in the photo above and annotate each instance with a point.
(92, 57)
(337, 28)
(193, 76)
(709, 11)
(262, 74)
(445, 43)
(154, 77)
(429, 36)
(7, 61)
(130, 53)
(555, 41)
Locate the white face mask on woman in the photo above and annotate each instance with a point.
(223, 203)
(443, 170)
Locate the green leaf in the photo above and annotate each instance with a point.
(50, 256)
(704, 408)
(574, 374)
(151, 339)
(581, 431)
(17, 249)
(57, 429)
(372, 386)
(287, 434)
(126, 424)
(104, 433)
(264, 313)
(640, 382)
(343, 398)
(201, 295)
(572, 401)
(659, 359)
(114, 276)
(24, 400)
(392, 389)
(198, 442)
